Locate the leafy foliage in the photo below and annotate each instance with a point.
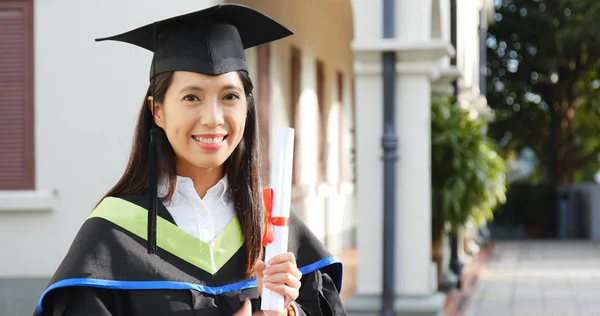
(468, 176)
(587, 125)
(543, 56)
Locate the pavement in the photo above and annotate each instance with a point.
(538, 278)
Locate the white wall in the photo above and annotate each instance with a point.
(468, 53)
(467, 24)
(87, 96)
(413, 36)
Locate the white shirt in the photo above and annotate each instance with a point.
(202, 218)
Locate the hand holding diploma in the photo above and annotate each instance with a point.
(282, 278)
(278, 280)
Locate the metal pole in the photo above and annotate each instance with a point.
(553, 161)
(483, 50)
(453, 41)
(389, 143)
(455, 264)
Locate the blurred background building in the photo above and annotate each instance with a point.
(68, 107)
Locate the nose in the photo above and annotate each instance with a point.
(211, 114)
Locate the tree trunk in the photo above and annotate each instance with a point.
(565, 160)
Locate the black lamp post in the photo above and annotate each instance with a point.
(455, 265)
(550, 99)
(553, 143)
(389, 143)
(547, 88)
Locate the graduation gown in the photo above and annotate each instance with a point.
(108, 271)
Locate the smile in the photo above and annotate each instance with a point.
(209, 140)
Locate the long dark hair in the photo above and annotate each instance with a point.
(241, 168)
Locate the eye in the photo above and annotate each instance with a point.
(191, 98)
(231, 97)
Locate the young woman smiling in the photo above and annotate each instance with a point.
(181, 232)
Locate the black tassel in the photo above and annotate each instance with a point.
(153, 185)
(152, 173)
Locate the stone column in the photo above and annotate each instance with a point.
(417, 66)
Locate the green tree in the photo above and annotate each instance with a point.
(543, 61)
(468, 176)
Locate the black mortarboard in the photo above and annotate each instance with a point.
(210, 42)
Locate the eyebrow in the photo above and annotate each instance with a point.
(192, 88)
(198, 88)
(232, 87)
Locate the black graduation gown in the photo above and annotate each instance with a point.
(107, 270)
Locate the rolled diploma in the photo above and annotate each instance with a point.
(281, 183)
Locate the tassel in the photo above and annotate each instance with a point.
(153, 185)
(152, 173)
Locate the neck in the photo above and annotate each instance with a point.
(203, 178)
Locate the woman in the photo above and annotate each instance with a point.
(189, 241)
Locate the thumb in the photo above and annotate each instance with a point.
(246, 309)
(259, 267)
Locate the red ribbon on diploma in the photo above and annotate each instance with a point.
(270, 220)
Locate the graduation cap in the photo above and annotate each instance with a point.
(211, 42)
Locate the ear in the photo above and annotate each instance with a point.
(158, 112)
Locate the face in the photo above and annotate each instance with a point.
(203, 117)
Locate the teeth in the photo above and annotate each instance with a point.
(215, 140)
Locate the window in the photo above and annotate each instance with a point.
(295, 86)
(16, 95)
(320, 121)
(340, 104)
(264, 105)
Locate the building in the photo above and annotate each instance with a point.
(69, 106)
